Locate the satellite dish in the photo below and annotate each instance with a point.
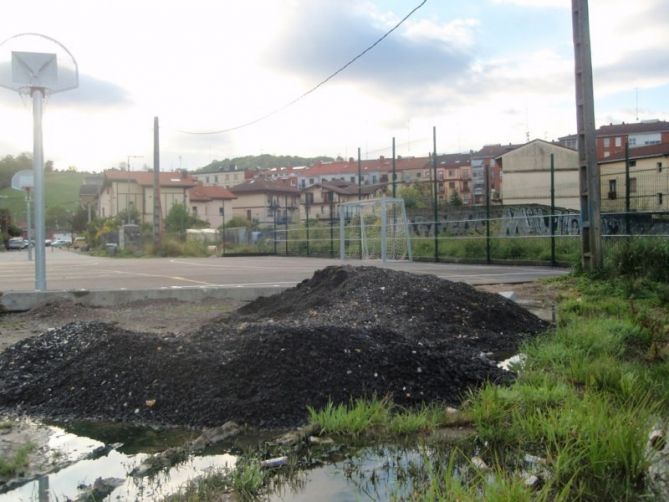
(31, 60)
(23, 180)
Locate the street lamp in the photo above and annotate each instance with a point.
(47, 69)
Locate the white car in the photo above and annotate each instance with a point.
(17, 243)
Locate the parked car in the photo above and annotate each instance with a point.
(17, 243)
(60, 243)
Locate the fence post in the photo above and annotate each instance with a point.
(627, 189)
(394, 171)
(436, 195)
(274, 213)
(223, 237)
(331, 194)
(306, 209)
(486, 170)
(552, 218)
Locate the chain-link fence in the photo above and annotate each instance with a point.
(544, 226)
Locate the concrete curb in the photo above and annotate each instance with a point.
(20, 301)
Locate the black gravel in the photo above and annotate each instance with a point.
(347, 332)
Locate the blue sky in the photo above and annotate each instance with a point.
(482, 71)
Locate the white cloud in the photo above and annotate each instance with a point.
(536, 3)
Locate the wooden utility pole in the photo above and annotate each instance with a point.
(589, 184)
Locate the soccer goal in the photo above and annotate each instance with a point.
(374, 229)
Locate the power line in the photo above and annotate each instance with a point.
(317, 86)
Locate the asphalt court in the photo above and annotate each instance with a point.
(70, 270)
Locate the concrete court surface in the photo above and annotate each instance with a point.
(70, 270)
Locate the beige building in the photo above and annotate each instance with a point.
(648, 176)
(212, 204)
(262, 201)
(123, 190)
(325, 196)
(526, 175)
(225, 179)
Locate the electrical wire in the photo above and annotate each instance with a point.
(314, 88)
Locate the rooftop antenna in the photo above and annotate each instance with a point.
(36, 65)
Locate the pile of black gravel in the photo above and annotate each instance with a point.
(347, 332)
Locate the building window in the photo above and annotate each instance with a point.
(631, 141)
(632, 185)
(216, 179)
(352, 179)
(659, 198)
(207, 179)
(195, 210)
(612, 190)
(607, 142)
(309, 198)
(451, 185)
(659, 167)
(632, 163)
(606, 153)
(619, 141)
(374, 179)
(311, 181)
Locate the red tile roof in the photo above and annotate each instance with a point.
(351, 166)
(206, 193)
(637, 127)
(640, 152)
(344, 188)
(260, 185)
(145, 178)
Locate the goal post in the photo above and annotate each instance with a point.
(374, 229)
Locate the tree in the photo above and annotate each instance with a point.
(416, 196)
(178, 220)
(80, 220)
(455, 200)
(58, 219)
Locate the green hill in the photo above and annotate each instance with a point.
(61, 190)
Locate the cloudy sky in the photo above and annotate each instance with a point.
(482, 71)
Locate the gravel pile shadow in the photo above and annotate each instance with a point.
(347, 332)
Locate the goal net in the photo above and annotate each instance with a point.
(374, 229)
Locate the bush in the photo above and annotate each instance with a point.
(639, 257)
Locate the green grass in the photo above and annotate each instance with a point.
(360, 416)
(585, 401)
(588, 394)
(15, 464)
(246, 480)
(61, 190)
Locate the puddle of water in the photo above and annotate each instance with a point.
(63, 484)
(371, 474)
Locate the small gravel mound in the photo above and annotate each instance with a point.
(347, 332)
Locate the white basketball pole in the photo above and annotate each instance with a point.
(38, 170)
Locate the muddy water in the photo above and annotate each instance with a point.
(377, 473)
(85, 462)
(371, 474)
